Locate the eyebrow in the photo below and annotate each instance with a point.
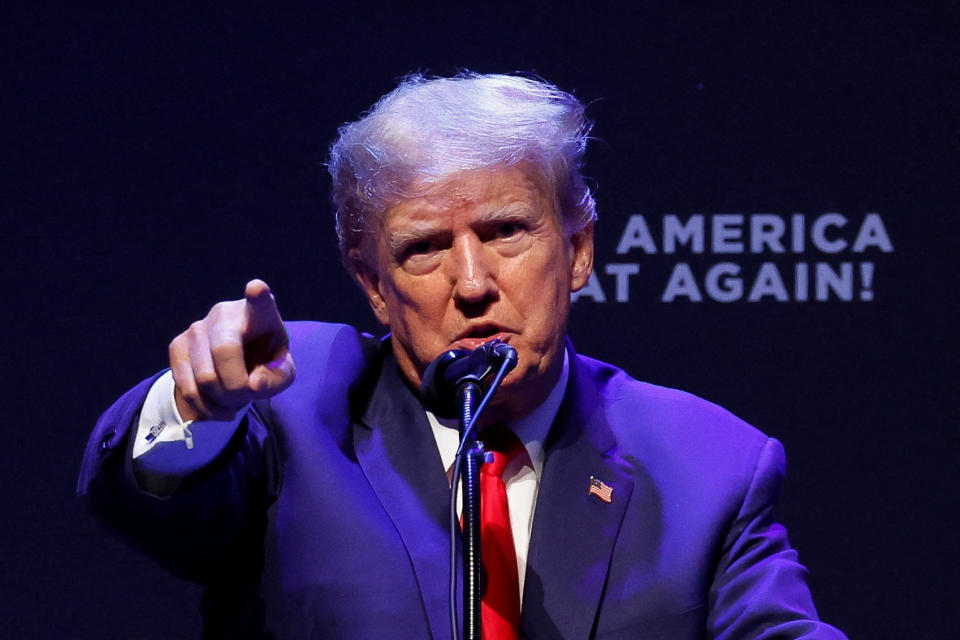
(416, 231)
(510, 211)
(399, 239)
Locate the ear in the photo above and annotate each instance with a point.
(369, 280)
(581, 265)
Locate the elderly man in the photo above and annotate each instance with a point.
(314, 505)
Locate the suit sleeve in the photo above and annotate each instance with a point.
(760, 590)
(196, 524)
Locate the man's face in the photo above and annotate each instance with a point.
(481, 255)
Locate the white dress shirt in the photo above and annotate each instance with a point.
(522, 481)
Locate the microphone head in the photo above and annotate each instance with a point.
(443, 376)
(435, 393)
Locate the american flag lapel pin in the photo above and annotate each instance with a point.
(600, 489)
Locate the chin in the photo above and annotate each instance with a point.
(530, 382)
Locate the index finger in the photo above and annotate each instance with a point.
(261, 310)
(263, 333)
(258, 295)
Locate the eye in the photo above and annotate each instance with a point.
(419, 252)
(418, 248)
(509, 229)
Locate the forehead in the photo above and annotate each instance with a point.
(473, 193)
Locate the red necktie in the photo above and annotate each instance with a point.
(500, 605)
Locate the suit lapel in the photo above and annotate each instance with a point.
(399, 456)
(574, 533)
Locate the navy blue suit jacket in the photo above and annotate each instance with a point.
(325, 514)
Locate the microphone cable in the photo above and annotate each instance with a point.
(505, 367)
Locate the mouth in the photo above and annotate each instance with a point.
(477, 334)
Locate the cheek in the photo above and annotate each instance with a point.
(546, 287)
(417, 310)
(545, 305)
(405, 292)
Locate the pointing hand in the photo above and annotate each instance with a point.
(237, 354)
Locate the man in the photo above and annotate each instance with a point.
(314, 505)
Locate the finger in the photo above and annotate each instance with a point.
(264, 336)
(255, 289)
(185, 387)
(227, 352)
(187, 396)
(267, 380)
(262, 316)
(262, 313)
(210, 392)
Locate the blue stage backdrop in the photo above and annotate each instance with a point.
(776, 233)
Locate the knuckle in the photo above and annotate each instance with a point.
(180, 343)
(222, 348)
(222, 309)
(235, 386)
(195, 330)
(193, 401)
(225, 331)
(206, 380)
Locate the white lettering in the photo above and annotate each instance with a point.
(622, 272)
(829, 280)
(766, 229)
(730, 289)
(768, 283)
(872, 234)
(801, 281)
(797, 237)
(636, 234)
(818, 233)
(591, 290)
(674, 232)
(681, 283)
(866, 279)
(727, 233)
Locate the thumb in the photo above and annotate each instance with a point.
(267, 380)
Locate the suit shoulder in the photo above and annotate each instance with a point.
(670, 421)
(312, 335)
(330, 359)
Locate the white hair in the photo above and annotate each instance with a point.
(430, 128)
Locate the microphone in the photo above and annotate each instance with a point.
(454, 367)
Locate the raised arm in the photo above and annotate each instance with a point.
(238, 354)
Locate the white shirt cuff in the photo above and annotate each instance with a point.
(160, 420)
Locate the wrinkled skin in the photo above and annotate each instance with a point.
(481, 255)
(237, 354)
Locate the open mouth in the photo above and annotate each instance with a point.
(478, 334)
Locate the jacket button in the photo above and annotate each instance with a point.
(105, 444)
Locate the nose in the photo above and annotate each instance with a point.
(473, 271)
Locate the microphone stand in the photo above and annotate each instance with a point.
(461, 373)
(468, 393)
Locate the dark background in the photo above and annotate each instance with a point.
(156, 159)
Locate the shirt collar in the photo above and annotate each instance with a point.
(532, 429)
